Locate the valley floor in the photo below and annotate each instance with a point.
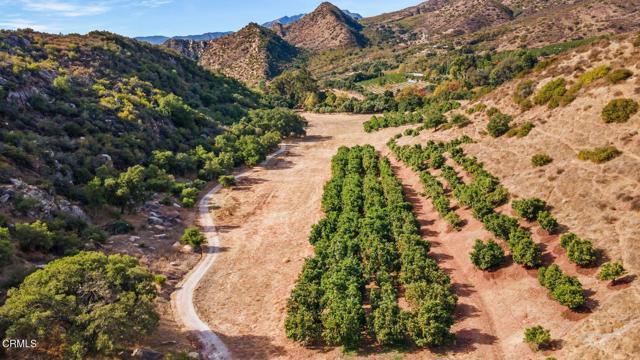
(264, 224)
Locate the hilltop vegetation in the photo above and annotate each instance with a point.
(94, 127)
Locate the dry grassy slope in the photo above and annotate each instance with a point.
(569, 20)
(430, 20)
(327, 27)
(599, 202)
(526, 7)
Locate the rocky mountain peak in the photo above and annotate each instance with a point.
(327, 27)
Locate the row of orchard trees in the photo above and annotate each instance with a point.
(368, 248)
(483, 194)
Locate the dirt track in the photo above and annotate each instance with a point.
(264, 223)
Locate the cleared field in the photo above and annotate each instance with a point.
(264, 224)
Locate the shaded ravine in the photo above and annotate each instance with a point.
(212, 347)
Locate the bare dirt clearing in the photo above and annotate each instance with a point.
(264, 224)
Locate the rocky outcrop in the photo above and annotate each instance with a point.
(41, 203)
(327, 27)
(192, 49)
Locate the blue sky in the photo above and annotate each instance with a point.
(165, 17)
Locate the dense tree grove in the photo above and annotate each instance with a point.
(368, 235)
(247, 142)
(430, 114)
(481, 195)
(84, 306)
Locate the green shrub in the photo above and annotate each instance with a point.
(579, 251)
(611, 271)
(551, 93)
(619, 75)
(523, 91)
(61, 83)
(94, 235)
(619, 110)
(486, 256)
(34, 237)
(541, 159)
(454, 220)
(492, 111)
(188, 196)
(24, 204)
(460, 120)
(521, 131)
(528, 208)
(6, 248)
(159, 279)
(547, 221)
(498, 125)
(537, 337)
(594, 74)
(480, 107)
(227, 181)
(118, 227)
(599, 155)
(193, 237)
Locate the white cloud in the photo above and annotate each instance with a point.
(67, 9)
(154, 3)
(13, 24)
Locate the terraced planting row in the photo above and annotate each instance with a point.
(483, 194)
(368, 251)
(430, 115)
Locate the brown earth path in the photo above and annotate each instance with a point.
(264, 224)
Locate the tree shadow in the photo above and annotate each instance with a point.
(465, 341)
(281, 164)
(464, 311)
(214, 249)
(547, 258)
(439, 257)
(463, 290)
(315, 138)
(223, 229)
(245, 183)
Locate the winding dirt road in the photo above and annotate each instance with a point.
(212, 348)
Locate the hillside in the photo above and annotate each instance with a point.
(105, 145)
(598, 201)
(433, 20)
(252, 54)
(88, 95)
(327, 27)
(509, 22)
(568, 20)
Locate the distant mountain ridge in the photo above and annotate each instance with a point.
(159, 39)
(327, 27)
(285, 20)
